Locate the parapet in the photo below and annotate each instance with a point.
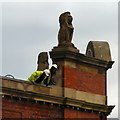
(23, 90)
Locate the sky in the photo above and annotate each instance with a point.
(29, 28)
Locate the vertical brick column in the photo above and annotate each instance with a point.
(85, 79)
(82, 73)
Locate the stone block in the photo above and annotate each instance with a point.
(9, 83)
(41, 89)
(70, 64)
(29, 88)
(20, 86)
(56, 91)
(92, 98)
(70, 93)
(99, 50)
(88, 68)
(66, 48)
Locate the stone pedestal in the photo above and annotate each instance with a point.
(66, 47)
(81, 77)
(79, 71)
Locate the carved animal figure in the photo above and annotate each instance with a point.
(66, 29)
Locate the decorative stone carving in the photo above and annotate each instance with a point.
(66, 29)
(42, 61)
(99, 50)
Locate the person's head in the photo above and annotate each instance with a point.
(53, 69)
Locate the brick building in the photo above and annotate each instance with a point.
(80, 91)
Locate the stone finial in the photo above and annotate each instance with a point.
(66, 29)
(99, 50)
(42, 61)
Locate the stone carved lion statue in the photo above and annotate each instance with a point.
(66, 29)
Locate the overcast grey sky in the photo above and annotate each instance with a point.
(30, 28)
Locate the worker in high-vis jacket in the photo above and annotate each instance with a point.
(43, 77)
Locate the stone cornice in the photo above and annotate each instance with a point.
(54, 90)
(80, 58)
(60, 101)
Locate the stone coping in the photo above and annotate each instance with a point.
(26, 86)
(80, 58)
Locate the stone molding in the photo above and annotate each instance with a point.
(80, 58)
(21, 85)
(24, 90)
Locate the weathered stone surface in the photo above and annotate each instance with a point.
(9, 84)
(99, 50)
(59, 74)
(56, 91)
(53, 90)
(90, 97)
(66, 29)
(70, 93)
(20, 86)
(66, 48)
(65, 34)
(42, 61)
(78, 58)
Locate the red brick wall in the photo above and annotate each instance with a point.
(84, 81)
(19, 109)
(0, 108)
(70, 113)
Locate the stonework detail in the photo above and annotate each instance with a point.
(99, 50)
(42, 61)
(83, 76)
(66, 29)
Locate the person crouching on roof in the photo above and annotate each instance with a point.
(43, 77)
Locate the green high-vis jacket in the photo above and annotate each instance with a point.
(35, 75)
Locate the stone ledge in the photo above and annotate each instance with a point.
(66, 48)
(80, 58)
(23, 85)
(85, 96)
(54, 95)
(60, 101)
(20, 85)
